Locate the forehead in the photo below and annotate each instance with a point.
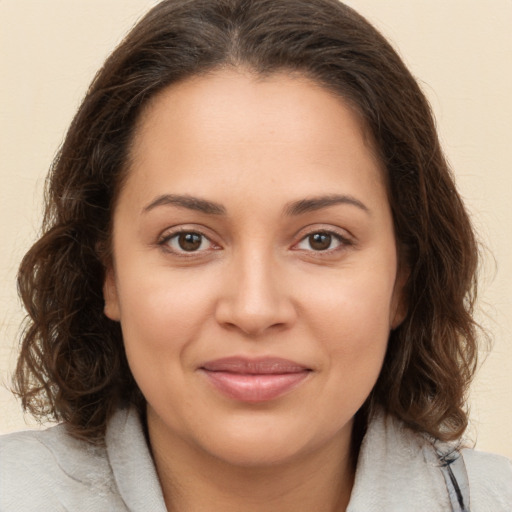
(233, 125)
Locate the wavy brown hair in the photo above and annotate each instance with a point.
(72, 365)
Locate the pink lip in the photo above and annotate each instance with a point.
(254, 380)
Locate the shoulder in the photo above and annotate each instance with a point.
(50, 470)
(490, 480)
(400, 469)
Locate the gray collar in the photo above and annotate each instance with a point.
(132, 465)
(397, 469)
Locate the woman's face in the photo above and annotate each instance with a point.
(255, 267)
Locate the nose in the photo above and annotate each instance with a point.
(255, 298)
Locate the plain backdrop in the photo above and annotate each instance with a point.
(461, 52)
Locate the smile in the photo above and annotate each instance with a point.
(254, 380)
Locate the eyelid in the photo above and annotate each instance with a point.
(345, 239)
(171, 232)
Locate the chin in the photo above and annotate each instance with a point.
(256, 452)
(260, 443)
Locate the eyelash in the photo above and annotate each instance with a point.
(164, 242)
(334, 236)
(341, 240)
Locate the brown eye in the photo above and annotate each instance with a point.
(320, 241)
(189, 241)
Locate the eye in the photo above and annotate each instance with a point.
(187, 241)
(321, 241)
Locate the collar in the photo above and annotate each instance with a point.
(132, 465)
(397, 469)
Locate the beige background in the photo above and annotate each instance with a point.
(461, 50)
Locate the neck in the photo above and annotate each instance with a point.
(193, 480)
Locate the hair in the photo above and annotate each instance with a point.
(72, 366)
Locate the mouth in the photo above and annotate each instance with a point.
(254, 380)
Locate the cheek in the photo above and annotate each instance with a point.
(351, 319)
(160, 323)
(358, 303)
(161, 312)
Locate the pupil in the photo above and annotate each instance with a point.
(189, 241)
(320, 241)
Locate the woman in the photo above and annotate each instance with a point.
(254, 288)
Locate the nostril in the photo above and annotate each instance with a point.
(254, 298)
(254, 322)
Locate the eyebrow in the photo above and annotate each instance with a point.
(291, 209)
(188, 202)
(317, 203)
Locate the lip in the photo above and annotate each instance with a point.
(254, 380)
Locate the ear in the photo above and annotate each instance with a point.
(110, 296)
(399, 305)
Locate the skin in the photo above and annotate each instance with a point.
(254, 285)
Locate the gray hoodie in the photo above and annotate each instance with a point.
(397, 470)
